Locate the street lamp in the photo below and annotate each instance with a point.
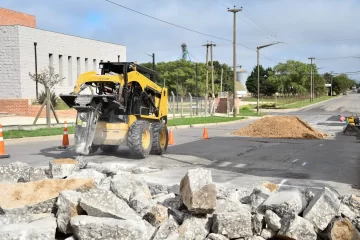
(153, 62)
(258, 67)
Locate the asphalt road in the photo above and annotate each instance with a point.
(239, 161)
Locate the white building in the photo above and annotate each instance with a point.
(69, 55)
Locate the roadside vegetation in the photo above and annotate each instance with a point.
(71, 129)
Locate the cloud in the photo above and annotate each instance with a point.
(319, 28)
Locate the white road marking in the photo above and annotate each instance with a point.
(224, 164)
(282, 182)
(285, 185)
(304, 163)
(240, 165)
(295, 160)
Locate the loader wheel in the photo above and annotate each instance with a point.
(109, 148)
(160, 138)
(140, 138)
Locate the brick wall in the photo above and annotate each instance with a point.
(10, 17)
(22, 107)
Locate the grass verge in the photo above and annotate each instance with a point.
(247, 111)
(305, 103)
(11, 134)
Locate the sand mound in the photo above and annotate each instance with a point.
(280, 127)
(20, 194)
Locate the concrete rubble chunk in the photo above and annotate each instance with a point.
(353, 202)
(267, 233)
(233, 224)
(257, 197)
(343, 229)
(345, 211)
(322, 208)
(179, 216)
(272, 220)
(63, 167)
(15, 172)
(102, 203)
(140, 202)
(167, 228)
(241, 194)
(38, 173)
(13, 219)
(104, 184)
(98, 228)
(295, 227)
(174, 189)
(156, 215)
(140, 170)
(214, 236)
(227, 205)
(37, 197)
(255, 238)
(163, 197)
(68, 204)
(39, 229)
(156, 188)
(110, 169)
(198, 192)
(81, 162)
(173, 203)
(125, 184)
(257, 221)
(195, 228)
(70, 238)
(90, 174)
(285, 202)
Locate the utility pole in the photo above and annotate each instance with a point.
(36, 73)
(331, 87)
(311, 80)
(212, 69)
(258, 72)
(196, 89)
(234, 10)
(221, 79)
(207, 69)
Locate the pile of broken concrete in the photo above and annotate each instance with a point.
(72, 199)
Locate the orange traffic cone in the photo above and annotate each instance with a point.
(171, 138)
(2, 145)
(65, 141)
(205, 134)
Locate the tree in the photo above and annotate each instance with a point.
(266, 87)
(48, 78)
(180, 77)
(342, 83)
(292, 77)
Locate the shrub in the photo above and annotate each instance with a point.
(53, 98)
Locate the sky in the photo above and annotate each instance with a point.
(328, 30)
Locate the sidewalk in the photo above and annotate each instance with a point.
(18, 120)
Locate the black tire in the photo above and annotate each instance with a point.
(140, 138)
(109, 148)
(160, 138)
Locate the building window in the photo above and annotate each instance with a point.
(61, 74)
(70, 70)
(51, 60)
(86, 65)
(78, 67)
(94, 65)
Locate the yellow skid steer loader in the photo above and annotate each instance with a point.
(121, 106)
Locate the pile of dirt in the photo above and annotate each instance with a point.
(289, 127)
(20, 194)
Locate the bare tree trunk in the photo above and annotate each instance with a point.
(48, 121)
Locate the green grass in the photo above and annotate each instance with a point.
(200, 120)
(305, 103)
(36, 133)
(59, 131)
(248, 111)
